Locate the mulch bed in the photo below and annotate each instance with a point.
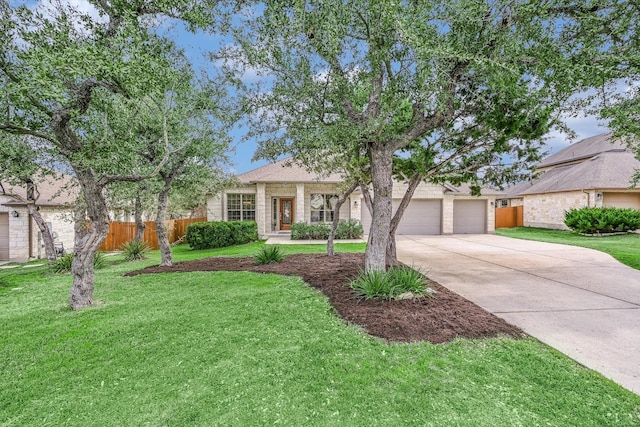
(438, 319)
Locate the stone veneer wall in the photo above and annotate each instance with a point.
(61, 221)
(352, 208)
(264, 205)
(547, 210)
(18, 231)
(19, 247)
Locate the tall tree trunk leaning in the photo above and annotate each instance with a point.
(392, 257)
(86, 246)
(47, 238)
(161, 228)
(367, 197)
(336, 218)
(137, 213)
(381, 158)
(34, 212)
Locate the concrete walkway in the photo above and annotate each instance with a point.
(580, 301)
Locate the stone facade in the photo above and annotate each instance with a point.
(60, 221)
(24, 240)
(547, 210)
(266, 194)
(267, 210)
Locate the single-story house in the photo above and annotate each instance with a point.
(20, 238)
(595, 171)
(280, 194)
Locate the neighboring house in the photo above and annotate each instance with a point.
(596, 171)
(20, 238)
(278, 195)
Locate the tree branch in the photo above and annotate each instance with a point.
(19, 130)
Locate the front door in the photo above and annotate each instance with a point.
(286, 214)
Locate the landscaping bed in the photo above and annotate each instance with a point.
(438, 319)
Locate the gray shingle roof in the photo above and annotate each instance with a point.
(584, 149)
(284, 171)
(609, 170)
(54, 191)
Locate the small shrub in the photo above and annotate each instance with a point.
(63, 264)
(408, 279)
(373, 284)
(269, 254)
(100, 261)
(591, 220)
(135, 250)
(351, 229)
(392, 284)
(304, 231)
(219, 234)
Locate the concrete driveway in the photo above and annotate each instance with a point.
(580, 301)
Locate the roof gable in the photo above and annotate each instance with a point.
(608, 170)
(584, 149)
(53, 191)
(285, 171)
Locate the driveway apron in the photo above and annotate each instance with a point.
(580, 301)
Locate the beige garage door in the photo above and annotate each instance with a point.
(622, 200)
(421, 217)
(469, 216)
(4, 236)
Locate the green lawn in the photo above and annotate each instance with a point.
(625, 248)
(245, 349)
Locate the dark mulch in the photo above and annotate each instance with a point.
(438, 319)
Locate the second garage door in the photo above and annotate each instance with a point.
(469, 216)
(421, 217)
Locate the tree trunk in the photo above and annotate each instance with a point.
(381, 168)
(392, 257)
(336, 218)
(161, 228)
(47, 238)
(34, 211)
(367, 197)
(137, 213)
(87, 243)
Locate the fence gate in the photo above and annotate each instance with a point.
(510, 217)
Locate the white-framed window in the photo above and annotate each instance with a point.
(241, 207)
(504, 203)
(323, 207)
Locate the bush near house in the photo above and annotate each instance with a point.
(209, 235)
(351, 229)
(602, 220)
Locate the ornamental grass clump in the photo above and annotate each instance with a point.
(269, 254)
(63, 264)
(396, 283)
(135, 250)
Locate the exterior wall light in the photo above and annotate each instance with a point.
(355, 203)
(15, 214)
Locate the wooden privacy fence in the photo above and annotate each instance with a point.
(123, 232)
(510, 217)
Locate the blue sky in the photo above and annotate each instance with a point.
(198, 45)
